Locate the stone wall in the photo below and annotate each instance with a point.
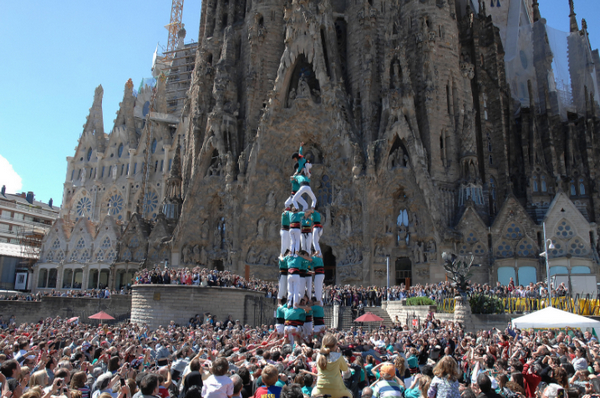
(159, 304)
(66, 307)
(407, 313)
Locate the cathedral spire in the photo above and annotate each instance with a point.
(536, 11)
(95, 121)
(573, 17)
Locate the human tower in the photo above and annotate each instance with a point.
(300, 259)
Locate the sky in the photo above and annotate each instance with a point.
(55, 53)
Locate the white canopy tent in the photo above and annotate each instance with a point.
(550, 318)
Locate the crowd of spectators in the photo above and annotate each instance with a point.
(210, 358)
(346, 295)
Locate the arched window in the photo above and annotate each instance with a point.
(52, 274)
(77, 278)
(544, 185)
(67, 279)
(573, 190)
(42, 278)
(120, 150)
(80, 244)
(581, 187)
(93, 279)
(56, 244)
(89, 154)
(527, 275)
(504, 275)
(558, 270)
(580, 269)
(106, 243)
(104, 274)
(153, 147)
(535, 184)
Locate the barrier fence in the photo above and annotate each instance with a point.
(490, 304)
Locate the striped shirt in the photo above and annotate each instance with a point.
(387, 388)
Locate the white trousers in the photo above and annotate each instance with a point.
(319, 278)
(306, 241)
(304, 189)
(300, 200)
(295, 238)
(308, 284)
(285, 240)
(308, 330)
(316, 236)
(295, 289)
(283, 283)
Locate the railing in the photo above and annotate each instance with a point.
(492, 304)
(31, 209)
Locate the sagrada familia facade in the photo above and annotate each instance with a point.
(432, 126)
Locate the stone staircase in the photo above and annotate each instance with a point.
(345, 318)
(380, 312)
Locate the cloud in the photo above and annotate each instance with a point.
(9, 177)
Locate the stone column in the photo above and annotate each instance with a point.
(335, 316)
(462, 313)
(131, 153)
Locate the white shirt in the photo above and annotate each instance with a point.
(217, 387)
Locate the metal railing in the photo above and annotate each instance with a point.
(492, 304)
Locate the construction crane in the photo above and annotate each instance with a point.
(174, 26)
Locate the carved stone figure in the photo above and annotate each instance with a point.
(271, 202)
(260, 231)
(196, 257)
(251, 258)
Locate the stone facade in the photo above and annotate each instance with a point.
(421, 140)
(158, 305)
(117, 306)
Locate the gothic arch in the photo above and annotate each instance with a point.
(118, 208)
(303, 70)
(81, 206)
(527, 248)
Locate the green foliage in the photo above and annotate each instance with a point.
(482, 304)
(419, 301)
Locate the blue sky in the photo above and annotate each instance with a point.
(55, 53)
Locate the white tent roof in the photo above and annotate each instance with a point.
(551, 317)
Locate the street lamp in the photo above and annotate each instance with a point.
(387, 266)
(548, 244)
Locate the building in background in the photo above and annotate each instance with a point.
(433, 126)
(24, 222)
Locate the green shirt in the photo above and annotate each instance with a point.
(317, 311)
(316, 217)
(296, 217)
(317, 262)
(281, 312)
(307, 265)
(283, 264)
(301, 161)
(295, 185)
(295, 262)
(306, 222)
(295, 314)
(300, 179)
(285, 218)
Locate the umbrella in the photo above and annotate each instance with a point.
(71, 320)
(368, 317)
(102, 316)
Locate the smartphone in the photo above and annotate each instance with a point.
(122, 382)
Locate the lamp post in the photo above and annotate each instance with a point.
(545, 254)
(387, 266)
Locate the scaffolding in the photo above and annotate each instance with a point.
(174, 26)
(30, 243)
